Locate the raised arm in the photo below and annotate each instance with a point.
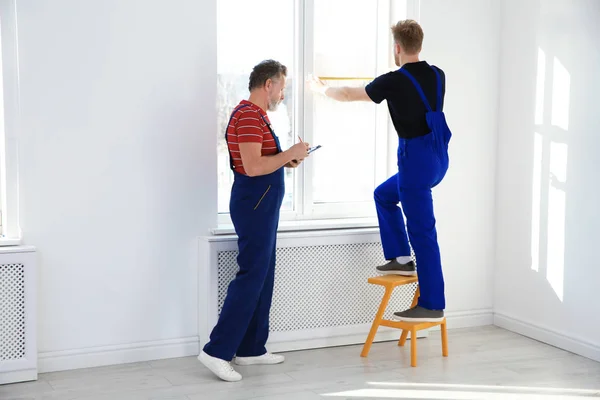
(375, 91)
(345, 93)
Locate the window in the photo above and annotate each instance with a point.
(9, 218)
(348, 41)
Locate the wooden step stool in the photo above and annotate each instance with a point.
(390, 282)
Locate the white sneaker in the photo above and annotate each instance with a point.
(220, 368)
(265, 359)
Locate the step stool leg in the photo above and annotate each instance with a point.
(416, 297)
(402, 340)
(403, 337)
(384, 302)
(444, 339)
(413, 347)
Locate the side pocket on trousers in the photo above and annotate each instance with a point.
(262, 197)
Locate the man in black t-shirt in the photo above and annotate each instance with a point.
(415, 98)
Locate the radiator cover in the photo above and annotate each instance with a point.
(321, 294)
(321, 286)
(12, 312)
(18, 348)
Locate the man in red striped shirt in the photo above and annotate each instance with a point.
(257, 162)
(249, 124)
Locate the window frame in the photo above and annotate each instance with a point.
(305, 209)
(9, 107)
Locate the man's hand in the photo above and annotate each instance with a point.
(293, 164)
(346, 93)
(317, 85)
(299, 151)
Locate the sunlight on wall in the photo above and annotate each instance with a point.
(536, 202)
(556, 218)
(561, 85)
(536, 198)
(539, 87)
(550, 152)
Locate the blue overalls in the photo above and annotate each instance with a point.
(243, 326)
(422, 164)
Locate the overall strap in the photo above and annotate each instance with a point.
(420, 90)
(230, 118)
(439, 89)
(418, 87)
(272, 132)
(227, 128)
(267, 123)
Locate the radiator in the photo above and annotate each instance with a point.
(321, 294)
(18, 349)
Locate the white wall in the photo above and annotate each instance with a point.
(118, 167)
(117, 170)
(547, 275)
(464, 202)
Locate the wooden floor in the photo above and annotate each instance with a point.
(484, 363)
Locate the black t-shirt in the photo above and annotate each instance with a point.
(407, 110)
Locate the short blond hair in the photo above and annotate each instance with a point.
(409, 35)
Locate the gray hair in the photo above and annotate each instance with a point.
(265, 70)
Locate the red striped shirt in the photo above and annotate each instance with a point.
(247, 126)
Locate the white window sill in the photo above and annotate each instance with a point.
(310, 225)
(10, 241)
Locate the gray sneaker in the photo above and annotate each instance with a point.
(419, 314)
(395, 268)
